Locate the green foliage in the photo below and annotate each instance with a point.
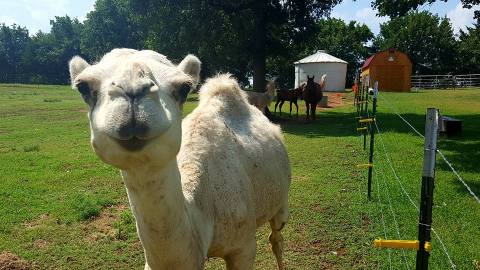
(221, 33)
(111, 25)
(31, 148)
(426, 38)
(469, 49)
(86, 207)
(125, 226)
(345, 41)
(225, 36)
(13, 41)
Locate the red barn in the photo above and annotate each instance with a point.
(391, 68)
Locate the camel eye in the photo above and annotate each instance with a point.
(87, 94)
(181, 93)
(83, 88)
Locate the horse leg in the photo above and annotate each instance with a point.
(308, 108)
(296, 105)
(313, 109)
(281, 105)
(290, 108)
(276, 104)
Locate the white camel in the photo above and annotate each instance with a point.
(262, 100)
(197, 189)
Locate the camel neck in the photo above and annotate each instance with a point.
(159, 208)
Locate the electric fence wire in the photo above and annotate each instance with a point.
(449, 164)
(374, 229)
(386, 189)
(383, 223)
(371, 213)
(387, 158)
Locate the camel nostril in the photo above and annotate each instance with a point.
(141, 130)
(125, 132)
(130, 130)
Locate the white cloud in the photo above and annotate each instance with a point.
(84, 17)
(364, 15)
(461, 17)
(369, 17)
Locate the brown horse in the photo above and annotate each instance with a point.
(313, 93)
(291, 95)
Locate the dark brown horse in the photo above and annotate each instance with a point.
(291, 95)
(313, 93)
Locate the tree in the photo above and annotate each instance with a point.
(402, 7)
(48, 53)
(469, 49)
(345, 41)
(110, 25)
(13, 41)
(426, 38)
(244, 33)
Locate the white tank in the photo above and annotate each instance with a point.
(321, 63)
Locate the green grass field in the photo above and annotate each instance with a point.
(62, 208)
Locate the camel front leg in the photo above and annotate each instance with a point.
(243, 259)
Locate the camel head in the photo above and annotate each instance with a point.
(135, 100)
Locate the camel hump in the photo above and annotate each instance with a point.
(222, 86)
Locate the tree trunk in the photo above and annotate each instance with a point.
(259, 57)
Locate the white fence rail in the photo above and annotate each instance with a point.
(445, 81)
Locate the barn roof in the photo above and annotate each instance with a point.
(367, 62)
(320, 57)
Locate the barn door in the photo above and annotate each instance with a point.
(391, 78)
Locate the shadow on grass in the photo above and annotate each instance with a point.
(463, 151)
(327, 124)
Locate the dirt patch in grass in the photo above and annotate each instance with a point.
(10, 261)
(38, 222)
(103, 225)
(334, 100)
(4, 131)
(41, 244)
(365, 222)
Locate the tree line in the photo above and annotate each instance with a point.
(241, 37)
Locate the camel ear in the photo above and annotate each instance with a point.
(76, 66)
(191, 66)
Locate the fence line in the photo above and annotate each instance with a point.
(383, 222)
(385, 153)
(438, 151)
(444, 81)
(393, 214)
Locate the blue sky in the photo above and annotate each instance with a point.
(36, 14)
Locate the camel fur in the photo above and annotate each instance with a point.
(262, 100)
(197, 188)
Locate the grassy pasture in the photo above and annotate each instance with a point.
(62, 208)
